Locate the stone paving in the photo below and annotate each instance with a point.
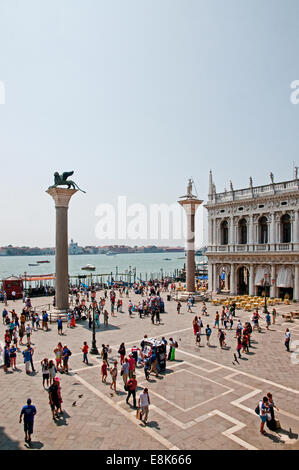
(204, 400)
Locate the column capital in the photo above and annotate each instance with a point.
(61, 196)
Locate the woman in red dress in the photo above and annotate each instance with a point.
(195, 325)
(73, 321)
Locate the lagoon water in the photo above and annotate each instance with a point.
(145, 263)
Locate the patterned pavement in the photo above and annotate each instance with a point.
(204, 400)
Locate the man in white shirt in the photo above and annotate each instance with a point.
(144, 402)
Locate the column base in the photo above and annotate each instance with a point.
(55, 314)
(183, 296)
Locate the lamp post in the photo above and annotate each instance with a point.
(94, 349)
(130, 272)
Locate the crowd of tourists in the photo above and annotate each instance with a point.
(147, 356)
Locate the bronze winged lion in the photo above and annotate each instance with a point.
(61, 180)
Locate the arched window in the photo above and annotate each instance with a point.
(242, 232)
(263, 230)
(224, 233)
(285, 229)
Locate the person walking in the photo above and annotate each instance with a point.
(59, 326)
(84, 349)
(27, 354)
(122, 352)
(208, 334)
(113, 372)
(66, 353)
(104, 371)
(13, 356)
(131, 388)
(143, 403)
(52, 371)
(178, 307)
(125, 370)
(29, 412)
(31, 350)
(58, 355)
(239, 346)
(272, 422)
(45, 371)
(54, 399)
(216, 320)
(287, 337)
(263, 410)
(106, 316)
(104, 354)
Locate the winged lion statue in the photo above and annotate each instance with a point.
(62, 180)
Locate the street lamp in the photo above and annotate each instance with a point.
(94, 349)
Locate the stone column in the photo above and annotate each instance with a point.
(210, 231)
(232, 279)
(214, 278)
(210, 276)
(273, 277)
(296, 283)
(295, 227)
(272, 229)
(231, 226)
(214, 232)
(190, 205)
(250, 230)
(251, 280)
(61, 198)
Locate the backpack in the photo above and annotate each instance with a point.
(257, 409)
(70, 352)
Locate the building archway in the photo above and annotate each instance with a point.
(242, 280)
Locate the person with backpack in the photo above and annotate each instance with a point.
(66, 353)
(208, 334)
(262, 409)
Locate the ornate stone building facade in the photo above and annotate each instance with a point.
(253, 239)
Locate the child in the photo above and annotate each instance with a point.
(197, 338)
(85, 352)
(104, 371)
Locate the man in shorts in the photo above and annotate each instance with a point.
(29, 411)
(66, 353)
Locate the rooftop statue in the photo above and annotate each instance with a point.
(62, 180)
(189, 194)
(272, 177)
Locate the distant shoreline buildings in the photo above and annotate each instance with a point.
(75, 249)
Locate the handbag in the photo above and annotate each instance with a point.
(139, 414)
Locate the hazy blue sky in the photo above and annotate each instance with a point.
(136, 96)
